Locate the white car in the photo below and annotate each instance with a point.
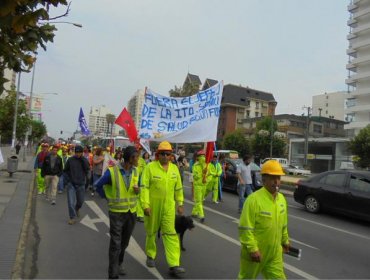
(294, 170)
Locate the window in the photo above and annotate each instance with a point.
(248, 113)
(256, 113)
(358, 183)
(335, 180)
(257, 105)
(317, 128)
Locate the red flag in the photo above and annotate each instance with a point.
(125, 120)
(209, 151)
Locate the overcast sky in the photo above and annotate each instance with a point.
(293, 49)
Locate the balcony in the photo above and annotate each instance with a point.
(351, 51)
(351, 22)
(352, 7)
(359, 92)
(361, 76)
(351, 36)
(359, 60)
(360, 44)
(354, 125)
(360, 13)
(358, 108)
(352, 67)
(361, 28)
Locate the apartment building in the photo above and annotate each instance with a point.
(134, 107)
(358, 105)
(329, 105)
(98, 124)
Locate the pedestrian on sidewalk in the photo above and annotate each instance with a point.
(161, 194)
(245, 182)
(39, 160)
(18, 147)
(263, 228)
(51, 170)
(76, 172)
(61, 183)
(120, 186)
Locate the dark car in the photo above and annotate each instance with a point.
(341, 191)
(230, 178)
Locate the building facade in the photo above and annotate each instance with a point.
(98, 124)
(329, 105)
(239, 103)
(358, 104)
(135, 105)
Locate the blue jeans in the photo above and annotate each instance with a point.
(242, 190)
(61, 184)
(76, 197)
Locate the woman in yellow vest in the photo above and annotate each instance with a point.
(119, 185)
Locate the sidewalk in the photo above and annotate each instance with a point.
(14, 193)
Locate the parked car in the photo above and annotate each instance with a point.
(294, 170)
(230, 178)
(342, 191)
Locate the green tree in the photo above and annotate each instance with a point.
(236, 141)
(261, 140)
(360, 146)
(38, 130)
(188, 90)
(7, 106)
(23, 27)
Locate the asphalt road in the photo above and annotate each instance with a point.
(333, 246)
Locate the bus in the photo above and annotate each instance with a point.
(118, 141)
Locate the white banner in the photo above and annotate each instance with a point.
(182, 119)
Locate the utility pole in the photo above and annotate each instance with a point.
(16, 112)
(29, 130)
(306, 133)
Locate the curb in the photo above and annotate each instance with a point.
(17, 271)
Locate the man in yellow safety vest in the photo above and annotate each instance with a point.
(161, 191)
(119, 185)
(263, 228)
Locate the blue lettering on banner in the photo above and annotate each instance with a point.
(148, 124)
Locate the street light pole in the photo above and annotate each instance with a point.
(306, 134)
(29, 130)
(16, 112)
(273, 103)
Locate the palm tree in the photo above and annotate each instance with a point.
(110, 118)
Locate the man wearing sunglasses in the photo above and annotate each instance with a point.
(161, 191)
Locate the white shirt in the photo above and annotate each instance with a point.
(245, 173)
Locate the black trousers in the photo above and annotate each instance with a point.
(121, 228)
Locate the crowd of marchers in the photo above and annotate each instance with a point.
(138, 187)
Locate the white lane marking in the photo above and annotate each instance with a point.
(296, 207)
(236, 221)
(90, 223)
(293, 269)
(304, 244)
(133, 248)
(330, 227)
(215, 211)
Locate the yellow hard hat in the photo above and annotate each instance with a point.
(272, 167)
(164, 146)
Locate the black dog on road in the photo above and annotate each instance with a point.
(182, 223)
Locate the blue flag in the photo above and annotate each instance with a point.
(83, 125)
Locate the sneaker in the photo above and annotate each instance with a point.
(40, 192)
(53, 202)
(150, 262)
(60, 192)
(177, 270)
(72, 221)
(140, 219)
(122, 270)
(202, 220)
(92, 193)
(215, 202)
